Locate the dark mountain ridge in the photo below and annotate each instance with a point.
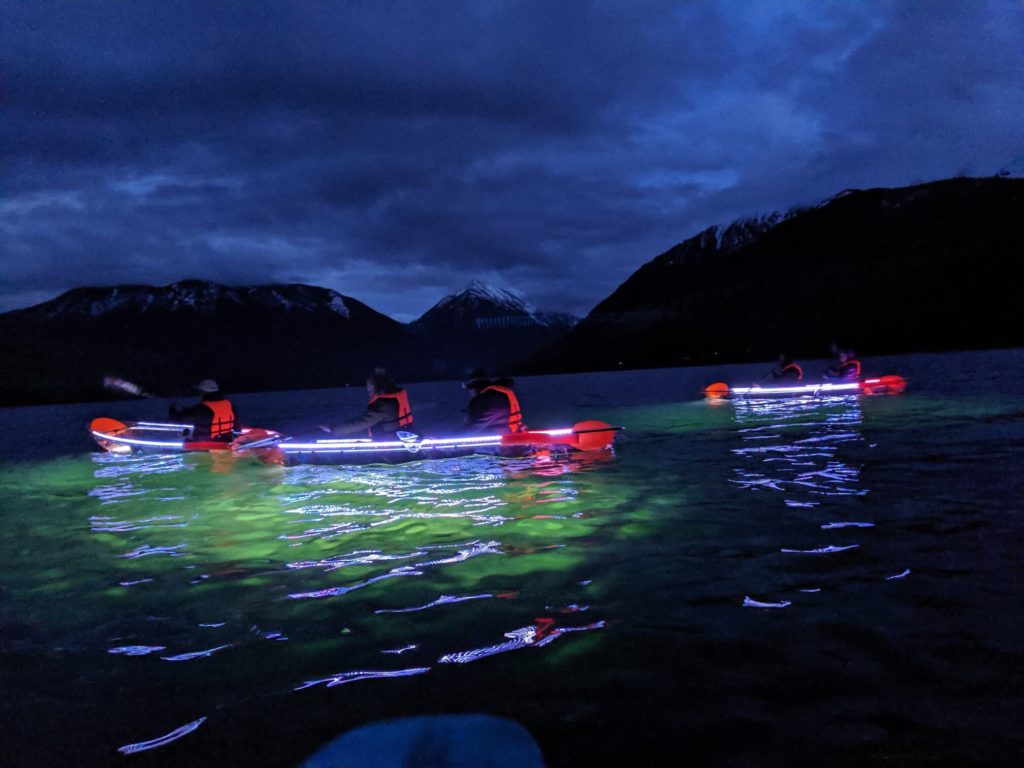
(922, 268)
(251, 338)
(266, 337)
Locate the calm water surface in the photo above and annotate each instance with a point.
(830, 582)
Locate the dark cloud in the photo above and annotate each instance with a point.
(394, 151)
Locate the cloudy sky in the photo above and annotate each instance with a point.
(396, 150)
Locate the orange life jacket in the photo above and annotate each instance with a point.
(797, 368)
(223, 421)
(404, 411)
(515, 414)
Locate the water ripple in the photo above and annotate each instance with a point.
(535, 636)
(177, 733)
(442, 600)
(350, 677)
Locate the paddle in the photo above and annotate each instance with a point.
(106, 426)
(717, 390)
(884, 385)
(256, 438)
(128, 387)
(591, 435)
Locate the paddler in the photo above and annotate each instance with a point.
(493, 406)
(785, 370)
(847, 367)
(387, 411)
(213, 418)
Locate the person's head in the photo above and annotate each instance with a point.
(477, 380)
(379, 383)
(208, 386)
(846, 354)
(785, 359)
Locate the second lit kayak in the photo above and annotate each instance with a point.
(880, 385)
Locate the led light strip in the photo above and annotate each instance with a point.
(131, 441)
(809, 388)
(358, 446)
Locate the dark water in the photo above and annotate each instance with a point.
(600, 604)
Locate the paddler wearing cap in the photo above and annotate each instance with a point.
(387, 412)
(493, 406)
(212, 418)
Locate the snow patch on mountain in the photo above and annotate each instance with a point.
(477, 293)
(338, 304)
(742, 231)
(484, 306)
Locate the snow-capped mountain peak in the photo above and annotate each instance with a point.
(480, 305)
(479, 293)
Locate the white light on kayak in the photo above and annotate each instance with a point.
(130, 441)
(808, 388)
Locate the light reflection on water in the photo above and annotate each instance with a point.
(312, 534)
(793, 445)
(805, 449)
(141, 595)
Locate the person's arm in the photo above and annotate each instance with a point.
(476, 414)
(488, 412)
(185, 413)
(374, 415)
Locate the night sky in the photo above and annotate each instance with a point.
(395, 151)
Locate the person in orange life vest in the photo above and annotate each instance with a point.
(493, 406)
(212, 418)
(787, 369)
(847, 367)
(387, 412)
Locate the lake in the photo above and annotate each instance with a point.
(750, 583)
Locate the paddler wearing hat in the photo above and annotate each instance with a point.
(493, 406)
(387, 411)
(212, 418)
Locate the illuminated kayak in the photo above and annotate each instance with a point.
(881, 385)
(588, 436)
(159, 437)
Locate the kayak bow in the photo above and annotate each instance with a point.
(159, 437)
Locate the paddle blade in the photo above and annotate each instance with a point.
(593, 435)
(110, 427)
(717, 390)
(107, 426)
(585, 436)
(264, 444)
(884, 385)
(128, 387)
(895, 384)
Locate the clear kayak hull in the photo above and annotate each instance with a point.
(274, 448)
(880, 385)
(130, 437)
